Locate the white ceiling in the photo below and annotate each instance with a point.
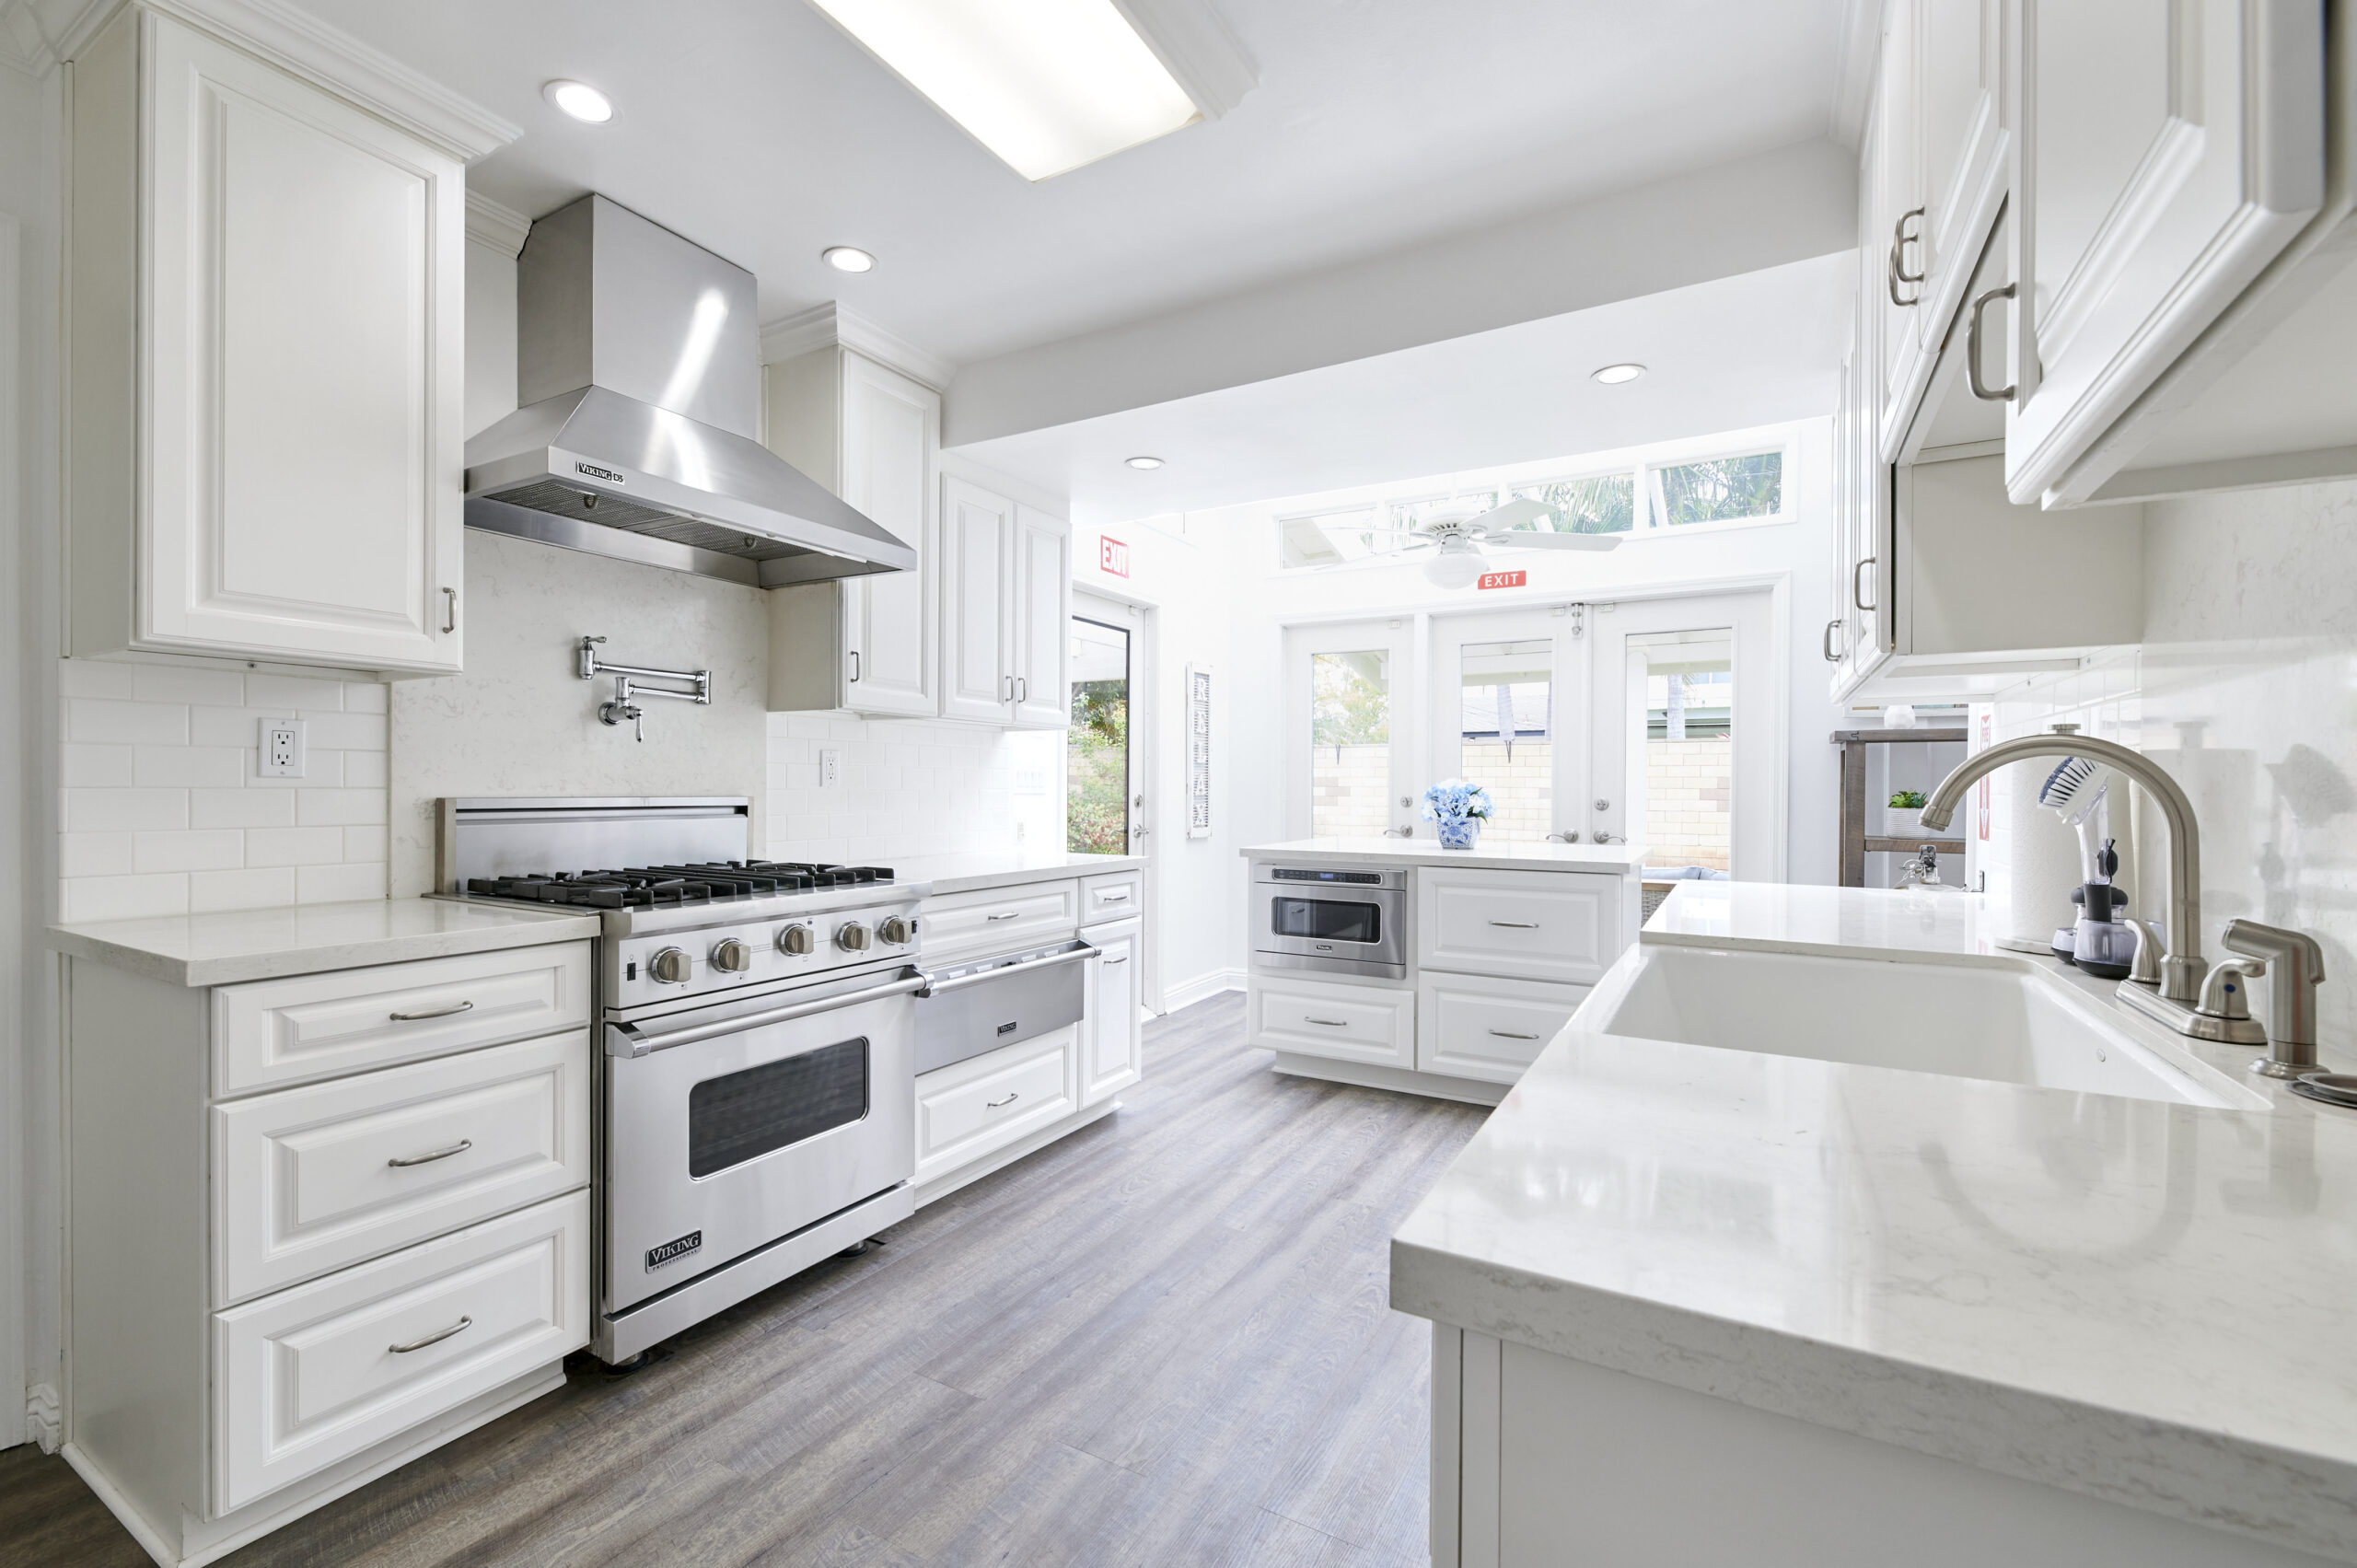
(1760, 348)
(758, 129)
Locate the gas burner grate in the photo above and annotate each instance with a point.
(663, 886)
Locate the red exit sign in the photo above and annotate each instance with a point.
(1503, 579)
(1112, 556)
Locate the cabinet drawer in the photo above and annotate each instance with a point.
(967, 1110)
(1350, 1023)
(316, 1026)
(1475, 1027)
(310, 1179)
(959, 925)
(1115, 896)
(309, 1376)
(1562, 925)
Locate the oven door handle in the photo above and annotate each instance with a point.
(629, 1042)
(1069, 956)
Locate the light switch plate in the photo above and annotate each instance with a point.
(283, 752)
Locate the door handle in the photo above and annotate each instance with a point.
(1832, 656)
(1022, 688)
(1517, 924)
(1509, 1034)
(1329, 1023)
(460, 1148)
(1123, 960)
(449, 610)
(628, 1043)
(1980, 388)
(1013, 1095)
(1899, 239)
(1857, 586)
(434, 1339)
(454, 1009)
(854, 664)
(1003, 915)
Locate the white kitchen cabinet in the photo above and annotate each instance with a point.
(1374, 1026)
(984, 922)
(1006, 611)
(265, 344)
(869, 643)
(971, 1110)
(1558, 926)
(2165, 157)
(1112, 1049)
(1481, 1027)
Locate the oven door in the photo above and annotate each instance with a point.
(721, 1144)
(1342, 930)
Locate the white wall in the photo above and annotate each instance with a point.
(909, 787)
(2243, 690)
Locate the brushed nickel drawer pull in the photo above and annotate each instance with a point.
(1121, 898)
(463, 1323)
(460, 1148)
(1007, 914)
(1010, 1099)
(1329, 1023)
(1509, 1034)
(1517, 924)
(1123, 960)
(451, 1011)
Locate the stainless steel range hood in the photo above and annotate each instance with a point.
(638, 364)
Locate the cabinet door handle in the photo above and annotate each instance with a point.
(1858, 585)
(1006, 688)
(435, 1339)
(1121, 898)
(449, 610)
(451, 1011)
(994, 1104)
(1003, 914)
(1899, 239)
(1329, 1023)
(1517, 924)
(1509, 1034)
(1022, 688)
(460, 1148)
(854, 664)
(1832, 654)
(1980, 388)
(1123, 960)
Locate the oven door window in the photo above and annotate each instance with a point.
(746, 1115)
(1326, 920)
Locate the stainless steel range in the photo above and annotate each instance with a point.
(755, 1084)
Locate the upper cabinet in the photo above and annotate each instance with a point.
(265, 347)
(1006, 611)
(867, 645)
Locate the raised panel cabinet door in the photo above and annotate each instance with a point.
(1112, 1053)
(890, 429)
(1531, 924)
(977, 558)
(303, 315)
(1961, 149)
(1043, 620)
(1897, 234)
(2163, 155)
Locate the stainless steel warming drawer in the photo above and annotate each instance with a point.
(971, 1009)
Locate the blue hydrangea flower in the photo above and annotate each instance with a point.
(1454, 800)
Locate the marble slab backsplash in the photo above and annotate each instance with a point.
(2245, 690)
(909, 787)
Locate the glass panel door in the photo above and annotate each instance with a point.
(1505, 714)
(1348, 754)
(1097, 764)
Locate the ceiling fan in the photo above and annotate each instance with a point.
(1457, 539)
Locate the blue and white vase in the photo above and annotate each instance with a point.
(1461, 832)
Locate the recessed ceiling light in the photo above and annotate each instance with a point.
(1047, 84)
(847, 258)
(1613, 375)
(1144, 462)
(581, 101)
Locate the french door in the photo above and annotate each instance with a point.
(1107, 767)
(1508, 710)
(1351, 765)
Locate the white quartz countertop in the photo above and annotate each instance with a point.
(968, 873)
(242, 945)
(1495, 854)
(2138, 1300)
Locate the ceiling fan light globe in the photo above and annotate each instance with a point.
(1453, 569)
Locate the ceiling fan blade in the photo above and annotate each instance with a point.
(1527, 540)
(1513, 515)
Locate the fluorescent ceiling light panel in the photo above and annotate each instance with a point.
(1047, 84)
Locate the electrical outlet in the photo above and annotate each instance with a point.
(830, 764)
(281, 749)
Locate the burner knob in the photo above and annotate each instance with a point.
(853, 937)
(797, 940)
(732, 956)
(896, 930)
(672, 966)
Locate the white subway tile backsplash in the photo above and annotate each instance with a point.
(164, 809)
(222, 849)
(211, 890)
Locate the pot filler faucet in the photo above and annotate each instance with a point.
(2180, 990)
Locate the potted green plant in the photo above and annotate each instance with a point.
(1910, 804)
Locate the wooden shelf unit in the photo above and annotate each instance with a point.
(1856, 844)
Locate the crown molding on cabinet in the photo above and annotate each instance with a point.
(1195, 45)
(823, 326)
(297, 43)
(497, 225)
(32, 31)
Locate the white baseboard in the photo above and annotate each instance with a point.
(1201, 988)
(44, 1417)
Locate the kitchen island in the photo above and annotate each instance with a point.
(1699, 1303)
(1395, 964)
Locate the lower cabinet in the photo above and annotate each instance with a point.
(1481, 1027)
(1112, 1049)
(977, 1107)
(1368, 1024)
(1559, 926)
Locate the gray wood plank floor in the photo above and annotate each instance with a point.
(1161, 1342)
